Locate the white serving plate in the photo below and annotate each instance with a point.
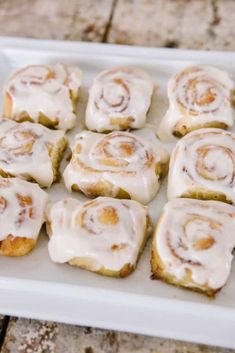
(35, 287)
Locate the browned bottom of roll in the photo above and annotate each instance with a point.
(16, 246)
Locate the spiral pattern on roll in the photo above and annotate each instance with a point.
(26, 149)
(203, 161)
(197, 92)
(119, 99)
(119, 160)
(199, 97)
(45, 94)
(122, 151)
(22, 206)
(106, 232)
(194, 241)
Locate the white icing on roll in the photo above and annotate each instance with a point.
(125, 160)
(205, 160)
(24, 150)
(22, 207)
(106, 232)
(45, 89)
(197, 96)
(197, 236)
(117, 94)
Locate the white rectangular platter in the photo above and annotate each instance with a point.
(35, 287)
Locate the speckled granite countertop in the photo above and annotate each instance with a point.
(196, 24)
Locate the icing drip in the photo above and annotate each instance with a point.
(203, 159)
(106, 232)
(127, 161)
(119, 99)
(24, 150)
(22, 206)
(197, 96)
(197, 236)
(47, 90)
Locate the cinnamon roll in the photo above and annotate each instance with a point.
(30, 151)
(119, 99)
(199, 97)
(119, 164)
(22, 213)
(202, 166)
(45, 94)
(104, 235)
(193, 244)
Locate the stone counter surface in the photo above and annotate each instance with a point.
(29, 336)
(195, 24)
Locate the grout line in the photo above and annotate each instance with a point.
(215, 19)
(106, 32)
(4, 330)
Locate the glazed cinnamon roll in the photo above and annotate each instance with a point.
(45, 94)
(22, 213)
(193, 244)
(119, 99)
(30, 151)
(202, 166)
(199, 97)
(119, 164)
(104, 235)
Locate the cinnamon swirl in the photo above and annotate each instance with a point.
(104, 235)
(199, 97)
(193, 244)
(22, 207)
(30, 151)
(44, 94)
(202, 166)
(119, 164)
(119, 99)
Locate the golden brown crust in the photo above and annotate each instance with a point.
(182, 130)
(16, 246)
(203, 194)
(42, 119)
(55, 153)
(233, 98)
(126, 270)
(7, 105)
(162, 169)
(101, 188)
(5, 174)
(105, 188)
(121, 124)
(159, 272)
